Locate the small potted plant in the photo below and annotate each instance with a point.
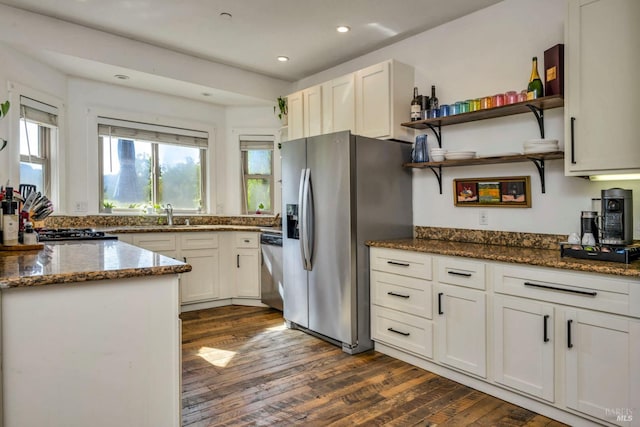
(282, 111)
(4, 109)
(108, 207)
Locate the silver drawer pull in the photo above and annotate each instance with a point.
(401, 264)
(398, 295)
(406, 334)
(553, 288)
(457, 273)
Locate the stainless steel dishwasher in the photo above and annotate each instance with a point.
(271, 276)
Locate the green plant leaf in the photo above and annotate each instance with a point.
(4, 108)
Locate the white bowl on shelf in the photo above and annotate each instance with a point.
(437, 157)
(460, 155)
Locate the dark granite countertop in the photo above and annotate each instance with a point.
(530, 256)
(81, 261)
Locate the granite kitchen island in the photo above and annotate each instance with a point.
(90, 336)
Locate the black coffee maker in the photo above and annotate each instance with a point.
(617, 217)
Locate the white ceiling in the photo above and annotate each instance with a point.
(259, 30)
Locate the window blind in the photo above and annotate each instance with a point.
(38, 112)
(154, 133)
(256, 142)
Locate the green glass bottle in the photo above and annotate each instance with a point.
(535, 88)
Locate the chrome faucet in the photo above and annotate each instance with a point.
(169, 212)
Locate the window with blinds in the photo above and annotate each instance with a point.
(148, 166)
(38, 133)
(257, 173)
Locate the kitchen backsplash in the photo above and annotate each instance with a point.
(128, 220)
(504, 238)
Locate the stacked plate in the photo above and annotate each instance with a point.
(459, 155)
(540, 146)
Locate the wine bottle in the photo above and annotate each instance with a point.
(433, 101)
(535, 88)
(415, 105)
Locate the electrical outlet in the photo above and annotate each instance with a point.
(484, 218)
(81, 206)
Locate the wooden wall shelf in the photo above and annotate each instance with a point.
(545, 103)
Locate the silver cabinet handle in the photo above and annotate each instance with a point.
(301, 217)
(247, 240)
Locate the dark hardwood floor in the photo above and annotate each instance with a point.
(241, 366)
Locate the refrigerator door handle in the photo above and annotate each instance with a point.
(302, 216)
(310, 221)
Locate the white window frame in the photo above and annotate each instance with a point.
(184, 137)
(247, 142)
(57, 167)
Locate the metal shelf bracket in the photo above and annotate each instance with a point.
(540, 166)
(438, 133)
(539, 113)
(438, 175)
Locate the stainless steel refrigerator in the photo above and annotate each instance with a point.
(338, 191)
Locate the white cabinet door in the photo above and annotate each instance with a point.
(603, 59)
(523, 345)
(247, 273)
(202, 282)
(373, 101)
(602, 365)
(312, 110)
(461, 329)
(338, 105)
(295, 116)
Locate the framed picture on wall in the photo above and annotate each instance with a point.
(499, 192)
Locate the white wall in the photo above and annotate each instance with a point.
(23, 73)
(83, 100)
(88, 99)
(246, 121)
(482, 54)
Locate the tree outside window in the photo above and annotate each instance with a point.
(143, 170)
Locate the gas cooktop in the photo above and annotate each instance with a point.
(62, 234)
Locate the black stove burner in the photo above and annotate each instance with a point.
(62, 234)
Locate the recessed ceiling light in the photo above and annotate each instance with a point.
(343, 29)
(121, 76)
(283, 58)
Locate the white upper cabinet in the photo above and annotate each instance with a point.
(339, 105)
(295, 115)
(371, 102)
(602, 91)
(383, 98)
(312, 109)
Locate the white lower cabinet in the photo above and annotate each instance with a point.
(602, 366)
(565, 344)
(247, 273)
(201, 283)
(225, 265)
(401, 297)
(461, 329)
(523, 345)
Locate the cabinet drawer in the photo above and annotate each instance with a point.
(406, 332)
(460, 272)
(156, 241)
(407, 294)
(247, 240)
(199, 240)
(406, 263)
(602, 293)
